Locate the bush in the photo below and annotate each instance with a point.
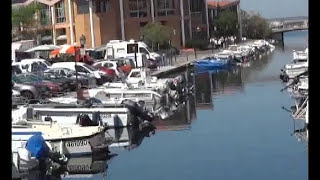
(197, 43)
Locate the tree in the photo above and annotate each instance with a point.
(227, 24)
(23, 20)
(255, 26)
(156, 33)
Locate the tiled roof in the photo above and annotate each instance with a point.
(222, 3)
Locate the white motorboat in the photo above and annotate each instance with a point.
(292, 70)
(73, 140)
(300, 55)
(117, 95)
(66, 115)
(141, 79)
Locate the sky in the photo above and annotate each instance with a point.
(276, 8)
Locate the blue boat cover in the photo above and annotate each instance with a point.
(37, 146)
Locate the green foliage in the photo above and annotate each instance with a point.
(23, 16)
(227, 24)
(255, 27)
(157, 33)
(197, 43)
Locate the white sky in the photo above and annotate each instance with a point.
(276, 8)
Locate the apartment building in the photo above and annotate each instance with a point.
(64, 21)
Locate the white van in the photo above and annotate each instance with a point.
(26, 65)
(118, 48)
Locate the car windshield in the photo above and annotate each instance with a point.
(97, 54)
(47, 63)
(89, 67)
(96, 66)
(149, 49)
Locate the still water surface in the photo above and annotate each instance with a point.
(235, 129)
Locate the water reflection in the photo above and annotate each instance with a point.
(76, 167)
(128, 138)
(300, 131)
(219, 82)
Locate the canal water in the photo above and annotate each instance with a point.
(233, 128)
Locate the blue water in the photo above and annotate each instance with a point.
(238, 131)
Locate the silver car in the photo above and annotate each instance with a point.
(29, 91)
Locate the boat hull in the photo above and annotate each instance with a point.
(69, 146)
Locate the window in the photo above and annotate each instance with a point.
(81, 69)
(195, 6)
(88, 67)
(135, 74)
(60, 12)
(165, 7)
(120, 50)
(102, 6)
(108, 65)
(138, 8)
(98, 65)
(47, 63)
(45, 15)
(131, 48)
(143, 50)
(83, 6)
(62, 73)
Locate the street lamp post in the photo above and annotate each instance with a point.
(82, 43)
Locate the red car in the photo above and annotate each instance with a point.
(111, 73)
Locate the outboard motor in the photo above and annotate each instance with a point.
(38, 148)
(91, 101)
(283, 76)
(84, 120)
(137, 110)
(171, 85)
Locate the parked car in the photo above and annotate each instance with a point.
(16, 97)
(111, 65)
(84, 80)
(65, 83)
(30, 90)
(54, 87)
(109, 71)
(126, 64)
(84, 69)
(32, 65)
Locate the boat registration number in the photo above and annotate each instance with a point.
(106, 115)
(78, 167)
(76, 143)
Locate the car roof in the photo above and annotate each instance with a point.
(66, 63)
(32, 60)
(107, 61)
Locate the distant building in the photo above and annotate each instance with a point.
(64, 21)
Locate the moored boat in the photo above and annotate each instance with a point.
(71, 141)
